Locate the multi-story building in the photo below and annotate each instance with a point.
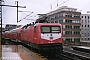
(70, 20)
(85, 27)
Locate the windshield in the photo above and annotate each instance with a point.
(50, 29)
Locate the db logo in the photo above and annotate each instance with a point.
(51, 37)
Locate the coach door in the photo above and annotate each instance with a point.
(35, 34)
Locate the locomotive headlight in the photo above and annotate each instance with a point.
(35, 38)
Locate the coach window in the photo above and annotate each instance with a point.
(35, 29)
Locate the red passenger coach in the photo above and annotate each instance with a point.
(13, 34)
(6, 34)
(43, 37)
(18, 31)
(16, 34)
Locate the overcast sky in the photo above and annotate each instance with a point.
(38, 7)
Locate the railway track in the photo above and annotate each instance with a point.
(46, 56)
(79, 54)
(60, 57)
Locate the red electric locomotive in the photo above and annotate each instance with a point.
(43, 37)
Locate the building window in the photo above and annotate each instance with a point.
(76, 27)
(88, 34)
(77, 39)
(68, 15)
(68, 21)
(67, 26)
(56, 16)
(85, 25)
(75, 21)
(88, 17)
(56, 21)
(68, 39)
(85, 17)
(82, 38)
(68, 32)
(85, 21)
(60, 21)
(48, 18)
(82, 25)
(82, 16)
(85, 34)
(60, 15)
(52, 21)
(82, 21)
(76, 32)
(52, 18)
(76, 16)
(88, 21)
(88, 25)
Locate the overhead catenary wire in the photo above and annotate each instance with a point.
(40, 11)
(24, 11)
(52, 3)
(7, 14)
(31, 19)
(25, 16)
(58, 4)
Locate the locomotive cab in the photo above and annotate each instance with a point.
(50, 37)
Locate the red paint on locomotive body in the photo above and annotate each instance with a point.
(36, 36)
(45, 36)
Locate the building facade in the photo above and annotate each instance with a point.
(70, 20)
(85, 27)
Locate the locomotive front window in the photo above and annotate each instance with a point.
(45, 29)
(50, 29)
(55, 29)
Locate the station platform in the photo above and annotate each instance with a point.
(13, 52)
